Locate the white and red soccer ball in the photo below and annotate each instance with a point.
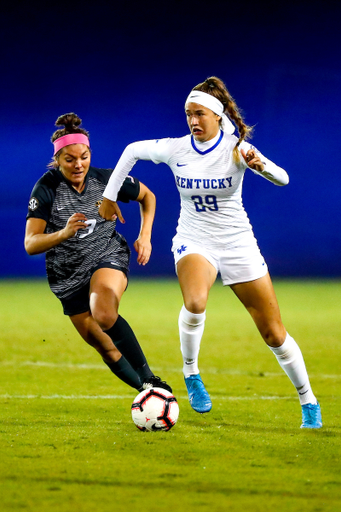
(155, 409)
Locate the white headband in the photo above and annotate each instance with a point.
(209, 101)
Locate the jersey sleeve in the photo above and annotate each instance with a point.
(271, 172)
(41, 201)
(129, 191)
(160, 150)
(155, 150)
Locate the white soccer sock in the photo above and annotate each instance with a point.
(291, 360)
(191, 328)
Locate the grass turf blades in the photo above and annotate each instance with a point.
(66, 435)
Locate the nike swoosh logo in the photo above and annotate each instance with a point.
(60, 208)
(303, 393)
(181, 165)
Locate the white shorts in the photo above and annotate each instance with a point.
(239, 264)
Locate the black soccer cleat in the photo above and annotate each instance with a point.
(156, 382)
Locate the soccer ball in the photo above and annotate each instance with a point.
(155, 409)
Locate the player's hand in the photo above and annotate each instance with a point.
(252, 159)
(76, 222)
(110, 210)
(143, 247)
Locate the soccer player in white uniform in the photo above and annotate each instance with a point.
(214, 233)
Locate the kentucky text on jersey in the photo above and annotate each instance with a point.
(203, 183)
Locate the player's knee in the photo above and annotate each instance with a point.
(274, 337)
(105, 318)
(196, 304)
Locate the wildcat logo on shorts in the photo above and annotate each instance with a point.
(33, 204)
(181, 249)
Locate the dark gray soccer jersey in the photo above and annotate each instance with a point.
(69, 265)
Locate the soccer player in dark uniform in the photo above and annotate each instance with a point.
(87, 261)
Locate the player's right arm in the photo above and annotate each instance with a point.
(37, 241)
(39, 211)
(155, 150)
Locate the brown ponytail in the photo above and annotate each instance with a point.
(217, 88)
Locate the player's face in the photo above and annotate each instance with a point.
(203, 123)
(74, 163)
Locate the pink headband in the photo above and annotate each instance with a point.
(71, 138)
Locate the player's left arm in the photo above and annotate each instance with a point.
(261, 165)
(253, 160)
(143, 245)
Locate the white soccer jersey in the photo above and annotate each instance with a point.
(209, 183)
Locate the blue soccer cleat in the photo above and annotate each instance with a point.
(311, 416)
(198, 396)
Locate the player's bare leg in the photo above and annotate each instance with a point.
(107, 286)
(91, 332)
(196, 277)
(260, 300)
(106, 289)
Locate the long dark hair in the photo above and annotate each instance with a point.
(217, 88)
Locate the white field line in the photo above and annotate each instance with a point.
(131, 397)
(208, 371)
(55, 365)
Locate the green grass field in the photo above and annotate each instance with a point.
(68, 443)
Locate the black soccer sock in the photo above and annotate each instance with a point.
(124, 371)
(125, 341)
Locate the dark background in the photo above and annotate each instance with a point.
(126, 68)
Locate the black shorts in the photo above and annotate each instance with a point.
(78, 302)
